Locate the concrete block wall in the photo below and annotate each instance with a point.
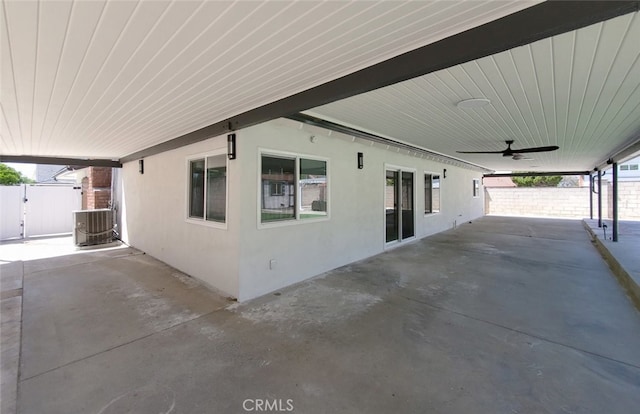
(558, 202)
(628, 200)
(563, 202)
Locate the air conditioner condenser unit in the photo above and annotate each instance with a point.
(92, 227)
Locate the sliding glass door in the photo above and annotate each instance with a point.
(391, 206)
(406, 195)
(399, 205)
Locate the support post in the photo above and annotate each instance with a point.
(599, 198)
(591, 196)
(614, 190)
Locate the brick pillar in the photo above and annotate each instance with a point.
(98, 192)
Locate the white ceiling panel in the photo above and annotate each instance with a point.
(105, 79)
(579, 90)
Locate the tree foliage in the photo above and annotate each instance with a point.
(9, 176)
(537, 181)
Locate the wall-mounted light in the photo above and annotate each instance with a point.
(444, 173)
(231, 146)
(360, 160)
(141, 166)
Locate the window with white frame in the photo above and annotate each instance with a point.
(431, 193)
(292, 188)
(277, 188)
(476, 187)
(208, 188)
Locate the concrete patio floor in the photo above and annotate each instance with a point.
(502, 315)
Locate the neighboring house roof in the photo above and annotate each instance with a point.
(70, 173)
(46, 174)
(572, 181)
(56, 174)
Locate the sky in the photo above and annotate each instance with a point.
(28, 170)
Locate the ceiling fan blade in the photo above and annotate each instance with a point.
(511, 152)
(519, 157)
(536, 149)
(479, 152)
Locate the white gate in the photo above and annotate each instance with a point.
(48, 209)
(11, 211)
(37, 210)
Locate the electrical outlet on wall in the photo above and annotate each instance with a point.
(272, 264)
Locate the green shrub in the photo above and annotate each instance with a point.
(9, 176)
(537, 181)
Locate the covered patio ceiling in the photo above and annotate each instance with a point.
(579, 90)
(120, 80)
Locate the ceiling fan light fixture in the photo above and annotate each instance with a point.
(473, 103)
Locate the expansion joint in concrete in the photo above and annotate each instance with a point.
(86, 263)
(529, 334)
(119, 345)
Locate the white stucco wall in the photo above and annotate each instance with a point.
(154, 210)
(236, 260)
(355, 228)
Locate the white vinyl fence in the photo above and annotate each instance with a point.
(36, 210)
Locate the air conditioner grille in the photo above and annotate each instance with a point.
(92, 227)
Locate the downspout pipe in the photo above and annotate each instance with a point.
(599, 198)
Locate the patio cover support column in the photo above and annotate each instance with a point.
(599, 198)
(615, 201)
(591, 196)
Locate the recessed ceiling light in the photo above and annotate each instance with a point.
(473, 103)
